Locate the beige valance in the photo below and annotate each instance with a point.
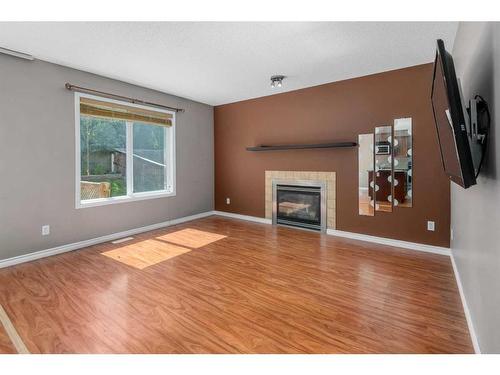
(102, 109)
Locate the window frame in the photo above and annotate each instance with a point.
(130, 196)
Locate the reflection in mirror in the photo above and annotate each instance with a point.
(403, 163)
(365, 168)
(383, 169)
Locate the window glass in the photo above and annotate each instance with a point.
(103, 158)
(149, 158)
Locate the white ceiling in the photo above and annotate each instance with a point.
(218, 63)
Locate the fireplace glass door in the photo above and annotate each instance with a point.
(299, 206)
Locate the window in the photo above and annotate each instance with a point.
(124, 151)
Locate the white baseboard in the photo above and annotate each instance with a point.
(114, 236)
(243, 217)
(391, 242)
(355, 236)
(468, 317)
(94, 241)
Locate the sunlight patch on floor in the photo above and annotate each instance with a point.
(192, 238)
(145, 253)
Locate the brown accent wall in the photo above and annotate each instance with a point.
(337, 111)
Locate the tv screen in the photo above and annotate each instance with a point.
(450, 120)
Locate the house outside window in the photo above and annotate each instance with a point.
(124, 151)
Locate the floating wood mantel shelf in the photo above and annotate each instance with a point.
(302, 146)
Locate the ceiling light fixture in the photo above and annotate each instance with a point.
(277, 81)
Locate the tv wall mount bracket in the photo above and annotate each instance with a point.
(477, 120)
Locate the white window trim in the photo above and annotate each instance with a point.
(131, 196)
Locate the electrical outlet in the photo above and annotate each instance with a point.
(451, 234)
(431, 226)
(228, 200)
(45, 230)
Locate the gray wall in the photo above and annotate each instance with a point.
(37, 160)
(475, 212)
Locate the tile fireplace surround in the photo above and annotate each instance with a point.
(327, 177)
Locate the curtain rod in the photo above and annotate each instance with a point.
(71, 87)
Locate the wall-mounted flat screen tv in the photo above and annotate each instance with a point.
(449, 117)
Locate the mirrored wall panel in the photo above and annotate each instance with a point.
(365, 170)
(382, 179)
(403, 163)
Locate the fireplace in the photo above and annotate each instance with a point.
(300, 204)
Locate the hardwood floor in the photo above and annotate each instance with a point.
(238, 287)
